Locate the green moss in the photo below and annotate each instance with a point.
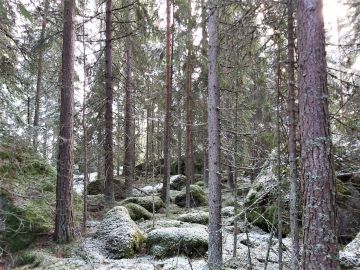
(29, 207)
(29, 258)
(342, 192)
(146, 202)
(137, 212)
(197, 196)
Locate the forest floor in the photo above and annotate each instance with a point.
(87, 252)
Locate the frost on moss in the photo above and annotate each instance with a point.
(121, 235)
(177, 182)
(137, 212)
(199, 217)
(27, 196)
(165, 242)
(197, 197)
(146, 202)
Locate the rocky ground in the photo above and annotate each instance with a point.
(136, 234)
(176, 242)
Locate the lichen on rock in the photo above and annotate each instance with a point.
(165, 242)
(147, 202)
(137, 211)
(197, 197)
(199, 217)
(120, 234)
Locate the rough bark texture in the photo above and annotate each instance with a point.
(129, 130)
(215, 235)
(168, 98)
(318, 178)
(39, 74)
(295, 259)
(278, 167)
(64, 227)
(189, 154)
(108, 144)
(85, 142)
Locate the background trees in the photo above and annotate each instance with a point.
(146, 47)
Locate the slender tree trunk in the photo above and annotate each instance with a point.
(147, 148)
(168, 100)
(318, 178)
(295, 259)
(235, 159)
(64, 226)
(215, 235)
(179, 135)
(129, 132)
(85, 142)
(39, 74)
(108, 144)
(189, 155)
(278, 135)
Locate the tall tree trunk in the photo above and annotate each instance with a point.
(292, 138)
(235, 160)
(64, 226)
(108, 144)
(278, 167)
(318, 178)
(85, 142)
(129, 131)
(215, 235)
(189, 155)
(179, 141)
(168, 100)
(39, 74)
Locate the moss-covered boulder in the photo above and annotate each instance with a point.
(96, 187)
(147, 202)
(121, 236)
(137, 212)
(350, 255)
(197, 197)
(199, 217)
(27, 196)
(165, 242)
(261, 204)
(177, 182)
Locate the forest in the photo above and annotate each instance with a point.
(180, 134)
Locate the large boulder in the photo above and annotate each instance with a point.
(199, 217)
(350, 255)
(148, 202)
(177, 182)
(137, 212)
(197, 197)
(97, 187)
(27, 196)
(165, 242)
(261, 203)
(120, 234)
(348, 211)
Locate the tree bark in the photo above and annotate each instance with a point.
(168, 100)
(40, 74)
(129, 139)
(84, 126)
(64, 226)
(295, 259)
(318, 177)
(278, 167)
(189, 155)
(108, 144)
(215, 235)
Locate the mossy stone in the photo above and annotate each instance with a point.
(137, 212)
